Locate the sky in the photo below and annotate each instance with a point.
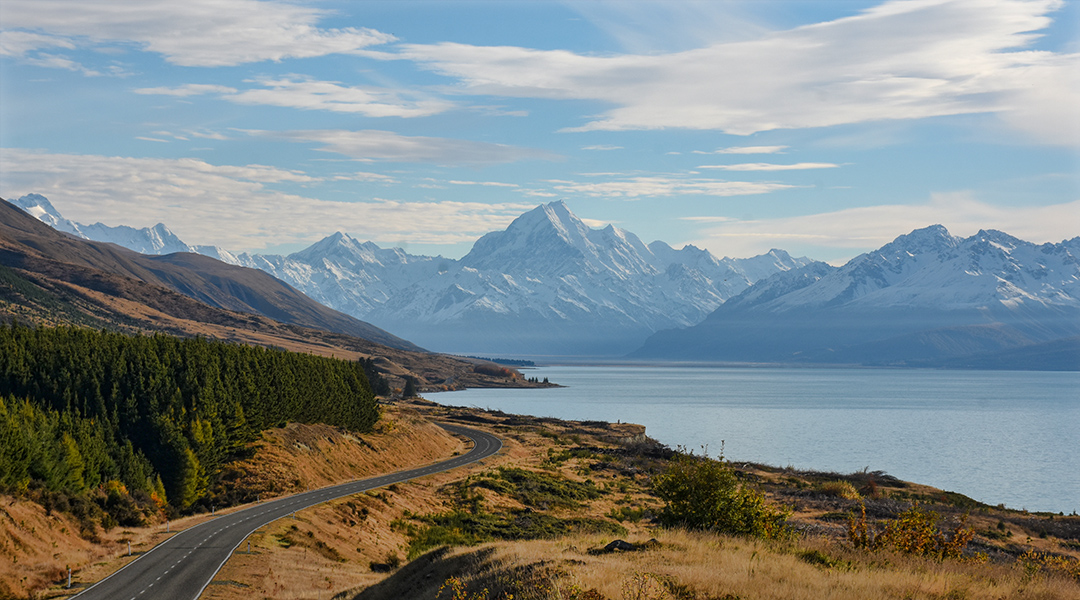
(823, 128)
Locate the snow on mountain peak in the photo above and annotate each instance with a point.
(557, 284)
(931, 269)
(148, 240)
(40, 208)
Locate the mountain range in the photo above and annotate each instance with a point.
(49, 278)
(547, 285)
(551, 285)
(927, 298)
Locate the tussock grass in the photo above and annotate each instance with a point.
(689, 565)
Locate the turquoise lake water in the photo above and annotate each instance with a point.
(1001, 437)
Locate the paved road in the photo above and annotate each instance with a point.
(181, 567)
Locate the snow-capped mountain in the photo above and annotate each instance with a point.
(548, 284)
(926, 295)
(40, 208)
(148, 240)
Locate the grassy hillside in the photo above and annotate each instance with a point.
(596, 479)
(38, 544)
(593, 480)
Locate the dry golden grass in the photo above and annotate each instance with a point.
(330, 550)
(36, 549)
(699, 565)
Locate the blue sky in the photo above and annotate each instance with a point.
(824, 128)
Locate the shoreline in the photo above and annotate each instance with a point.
(915, 443)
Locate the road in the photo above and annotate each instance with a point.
(181, 567)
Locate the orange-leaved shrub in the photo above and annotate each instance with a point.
(914, 531)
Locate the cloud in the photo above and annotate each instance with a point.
(207, 134)
(538, 193)
(57, 61)
(745, 150)
(900, 60)
(19, 43)
(298, 91)
(638, 187)
(192, 33)
(189, 89)
(372, 144)
(485, 183)
(231, 206)
(839, 235)
(602, 147)
(771, 167)
(310, 94)
(366, 177)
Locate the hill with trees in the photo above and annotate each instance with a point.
(157, 416)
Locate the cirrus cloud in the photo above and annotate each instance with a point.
(373, 144)
(192, 33)
(306, 93)
(904, 59)
(771, 167)
(662, 186)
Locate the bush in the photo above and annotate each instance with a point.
(840, 489)
(914, 531)
(701, 493)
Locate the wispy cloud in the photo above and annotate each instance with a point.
(188, 89)
(538, 193)
(659, 186)
(310, 94)
(838, 235)
(19, 43)
(745, 150)
(602, 147)
(231, 206)
(771, 167)
(192, 33)
(372, 144)
(484, 183)
(899, 60)
(57, 61)
(306, 93)
(366, 177)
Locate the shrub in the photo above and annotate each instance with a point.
(840, 489)
(914, 531)
(701, 493)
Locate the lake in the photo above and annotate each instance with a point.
(1010, 437)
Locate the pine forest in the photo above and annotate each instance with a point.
(153, 417)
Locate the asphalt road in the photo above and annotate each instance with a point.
(181, 567)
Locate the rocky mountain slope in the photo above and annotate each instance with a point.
(926, 298)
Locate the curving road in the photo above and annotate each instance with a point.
(182, 566)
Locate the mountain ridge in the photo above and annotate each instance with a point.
(205, 279)
(547, 284)
(926, 297)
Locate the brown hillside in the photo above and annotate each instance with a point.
(210, 281)
(47, 278)
(37, 546)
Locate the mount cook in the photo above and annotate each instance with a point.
(547, 285)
